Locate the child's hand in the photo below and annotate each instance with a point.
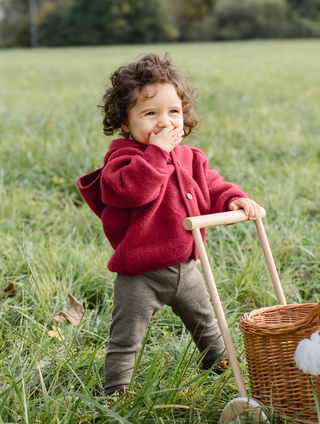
(168, 138)
(251, 208)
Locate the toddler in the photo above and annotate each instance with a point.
(148, 185)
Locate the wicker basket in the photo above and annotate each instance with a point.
(271, 336)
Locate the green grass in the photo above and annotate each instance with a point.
(261, 130)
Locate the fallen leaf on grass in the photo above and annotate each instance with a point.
(59, 318)
(73, 314)
(57, 333)
(9, 291)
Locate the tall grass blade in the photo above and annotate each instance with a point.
(103, 410)
(315, 399)
(5, 394)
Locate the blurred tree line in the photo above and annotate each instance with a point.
(94, 22)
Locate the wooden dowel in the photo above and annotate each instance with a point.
(270, 261)
(215, 219)
(219, 312)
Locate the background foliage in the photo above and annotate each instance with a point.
(261, 130)
(98, 22)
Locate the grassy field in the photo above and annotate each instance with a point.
(261, 130)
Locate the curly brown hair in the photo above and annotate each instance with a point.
(129, 80)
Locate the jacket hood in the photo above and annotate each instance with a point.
(89, 184)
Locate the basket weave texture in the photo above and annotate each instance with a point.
(271, 336)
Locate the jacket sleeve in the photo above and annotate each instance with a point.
(220, 193)
(133, 177)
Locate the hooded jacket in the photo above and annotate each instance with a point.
(142, 194)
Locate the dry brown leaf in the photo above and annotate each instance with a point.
(56, 332)
(9, 291)
(74, 313)
(59, 318)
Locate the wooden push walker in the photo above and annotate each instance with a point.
(289, 388)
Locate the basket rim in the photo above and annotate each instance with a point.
(247, 324)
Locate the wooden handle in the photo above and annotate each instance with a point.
(194, 224)
(219, 312)
(233, 217)
(270, 261)
(215, 219)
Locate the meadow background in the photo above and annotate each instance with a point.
(261, 130)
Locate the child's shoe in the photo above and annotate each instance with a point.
(219, 368)
(116, 391)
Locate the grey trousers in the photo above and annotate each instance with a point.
(137, 299)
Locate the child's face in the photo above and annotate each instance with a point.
(157, 107)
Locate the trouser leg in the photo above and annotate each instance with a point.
(135, 300)
(192, 304)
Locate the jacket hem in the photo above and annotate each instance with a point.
(179, 261)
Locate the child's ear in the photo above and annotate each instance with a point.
(125, 127)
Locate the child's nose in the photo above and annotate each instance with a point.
(163, 121)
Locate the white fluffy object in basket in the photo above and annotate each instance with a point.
(307, 355)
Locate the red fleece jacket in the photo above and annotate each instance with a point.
(142, 195)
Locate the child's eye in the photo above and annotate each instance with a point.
(173, 111)
(149, 113)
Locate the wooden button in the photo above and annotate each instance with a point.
(179, 164)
